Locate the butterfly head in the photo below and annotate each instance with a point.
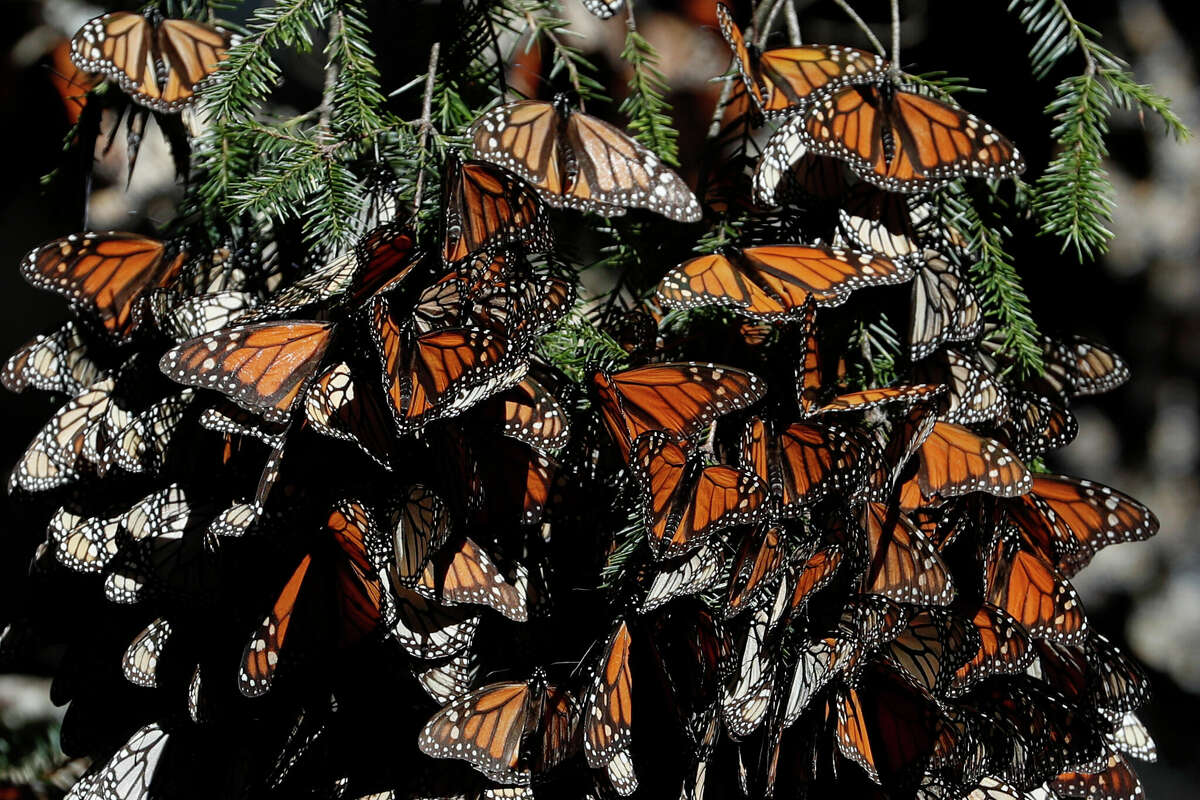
(565, 102)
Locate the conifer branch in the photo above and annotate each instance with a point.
(646, 106)
(995, 276)
(895, 37)
(355, 97)
(1074, 197)
(424, 126)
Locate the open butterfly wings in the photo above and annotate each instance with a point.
(160, 63)
(774, 282)
(785, 80)
(903, 141)
(486, 205)
(578, 161)
(103, 275)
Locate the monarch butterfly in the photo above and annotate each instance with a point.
(955, 461)
(1077, 367)
(773, 282)
(339, 407)
(815, 667)
(1033, 592)
(1037, 424)
(779, 181)
(745, 701)
(532, 416)
(679, 398)
(944, 307)
(486, 728)
(164, 554)
(160, 63)
(1131, 737)
(686, 502)
(55, 456)
(420, 525)
(871, 219)
(381, 260)
(933, 646)
(785, 80)
(441, 373)
(1003, 648)
(1068, 520)
(84, 544)
(199, 315)
(130, 770)
(262, 367)
(1095, 672)
(608, 712)
(465, 573)
(1116, 781)
(811, 391)
(103, 275)
(450, 680)
(54, 362)
(361, 607)
(488, 205)
(885, 727)
(804, 463)
(140, 662)
(428, 630)
(578, 161)
(972, 393)
(902, 564)
(900, 140)
(758, 563)
(695, 573)
(815, 574)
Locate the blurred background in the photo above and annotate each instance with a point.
(1143, 299)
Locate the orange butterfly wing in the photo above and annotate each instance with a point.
(904, 565)
(261, 367)
(104, 274)
(261, 655)
(192, 52)
(486, 204)
(1031, 591)
(483, 728)
(609, 703)
(956, 461)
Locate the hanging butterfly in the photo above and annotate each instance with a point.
(804, 463)
(900, 139)
(773, 282)
(465, 573)
(746, 696)
(931, 649)
(361, 606)
(685, 502)
(54, 362)
(1037, 424)
(487, 205)
(130, 770)
(380, 261)
(1116, 781)
(533, 416)
(902, 564)
(1003, 649)
(55, 456)
(1023, 584)
(160, 63)
(140, 662)
(103, 275)
(972, 394)
(679, 398)
(340, 407)
(1068, 520)
(448, 681)
(441, 373)
(954, 461)
(264, 367)
(758, 564)
(608, 714)
(786, 80)
(871, 219)
(695, 573)
(427, 629)
(780, 181)
(944, 307)
(578, 161)
(815, 574)
(487, 727)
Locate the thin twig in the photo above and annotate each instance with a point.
(793, 23)
(850, 12)
(895, 37)
(769, 23)
(426, 126)
(714, 126)
(331, 76)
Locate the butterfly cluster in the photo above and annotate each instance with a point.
(350, 530)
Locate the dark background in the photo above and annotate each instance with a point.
(1143, 299)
